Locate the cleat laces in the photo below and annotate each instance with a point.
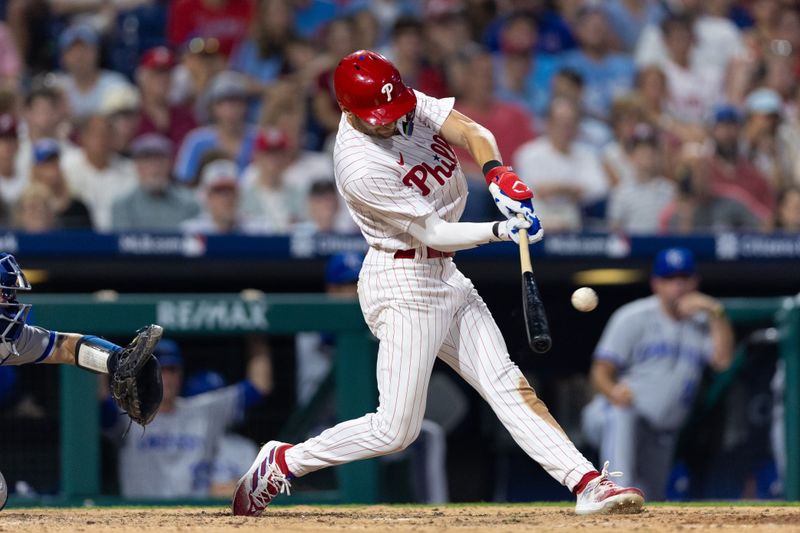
(270, 485)
(603, 479)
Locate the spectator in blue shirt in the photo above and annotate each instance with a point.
(523, 76)
(555, 35)
(312, 15)
(230, 132)
(629, 17)
(260, 56)
(606, 74)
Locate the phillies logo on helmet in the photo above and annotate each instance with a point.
(387, 90)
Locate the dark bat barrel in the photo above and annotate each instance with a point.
(535, 317)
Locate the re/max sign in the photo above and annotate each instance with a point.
(213, 315)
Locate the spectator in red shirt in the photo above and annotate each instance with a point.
(731, 174)
(227, 20)
(156, 114)
(511, 124)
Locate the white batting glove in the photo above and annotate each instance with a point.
(508, 230)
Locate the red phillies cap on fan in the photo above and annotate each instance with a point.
(369, 86)
(158, 58)
(271, 139)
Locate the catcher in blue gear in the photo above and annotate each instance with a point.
(134, 373)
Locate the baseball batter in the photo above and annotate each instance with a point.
(396, 169)
(647, 367)
(133, 371)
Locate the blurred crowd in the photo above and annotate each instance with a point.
(217, 116)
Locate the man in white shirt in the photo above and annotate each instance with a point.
(95, 174)
(84, 83)
(221, 198)
(267, 194)
(635, 206)
(565, 174)
(693, 88)
(277, 183)
(718, 40)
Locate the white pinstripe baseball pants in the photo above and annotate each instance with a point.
(421, 309)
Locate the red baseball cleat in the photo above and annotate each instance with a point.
(261, 483)
(601, 495)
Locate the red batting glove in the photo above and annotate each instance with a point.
(509, 183)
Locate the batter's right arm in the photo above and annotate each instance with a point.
(462, 131)
(511, 195)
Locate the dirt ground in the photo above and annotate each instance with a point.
(464, 519)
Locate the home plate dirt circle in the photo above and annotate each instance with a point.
(457, 518)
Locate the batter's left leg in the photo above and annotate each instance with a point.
(476, 350)
(406, 355)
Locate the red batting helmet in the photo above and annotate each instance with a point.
(369, 86)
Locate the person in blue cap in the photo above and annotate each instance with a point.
(733, 173)
(176, 456)
(647, 367)
(70, 212)
(84, 83)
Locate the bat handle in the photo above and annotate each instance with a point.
(524, 251)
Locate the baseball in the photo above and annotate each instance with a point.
(584, 299)
(3, 491)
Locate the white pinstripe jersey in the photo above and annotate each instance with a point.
(387, 183)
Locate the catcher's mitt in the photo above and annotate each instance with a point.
(136, 378)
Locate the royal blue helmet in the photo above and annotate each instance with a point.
(12, 313)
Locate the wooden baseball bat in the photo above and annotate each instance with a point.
(535, 318)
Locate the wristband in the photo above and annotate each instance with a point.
(489, 165)
(496, 229)
(96, 354)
